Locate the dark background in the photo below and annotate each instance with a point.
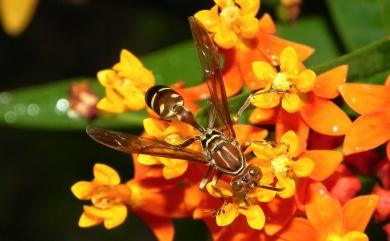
(69, 39)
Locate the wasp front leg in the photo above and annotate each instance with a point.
(189, 141)
(206, 178)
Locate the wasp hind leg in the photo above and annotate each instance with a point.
(215, 187)
(205, 179)
(189, 141)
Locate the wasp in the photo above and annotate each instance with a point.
(220, 149)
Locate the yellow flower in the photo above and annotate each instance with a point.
(125, 84)
(174, 132)
(16, 15)
(287, 86)
(280, 162)
(108, 196)
(231, 21)
(230, 211)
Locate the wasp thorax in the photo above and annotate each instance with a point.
(247, 180)
(163, 100)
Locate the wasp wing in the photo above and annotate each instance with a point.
(209, 59)
(143, 145)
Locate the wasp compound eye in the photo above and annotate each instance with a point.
(163, 100)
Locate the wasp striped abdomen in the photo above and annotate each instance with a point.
(163, 100)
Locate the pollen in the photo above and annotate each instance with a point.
(281, 82)
(230, 14)
(279, 164)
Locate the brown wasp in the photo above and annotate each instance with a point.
(221, 151)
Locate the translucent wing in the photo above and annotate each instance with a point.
(208, 55)
(142, 145)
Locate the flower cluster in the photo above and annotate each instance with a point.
(295, 183)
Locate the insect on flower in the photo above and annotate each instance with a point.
(220, 149)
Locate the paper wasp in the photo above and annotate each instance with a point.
(221, 151)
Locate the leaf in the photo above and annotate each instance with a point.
(359, 22)
(40, 106)
(322, 40)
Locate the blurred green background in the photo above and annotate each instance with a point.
(71, 38)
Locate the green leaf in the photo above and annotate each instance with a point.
(43, 106)
(322, 40)
(359, 22)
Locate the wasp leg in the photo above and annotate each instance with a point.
(206, 179)
(189, 141)
(243, 108)
(214, 184)
(270, 188)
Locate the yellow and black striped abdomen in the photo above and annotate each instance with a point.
(163, 100)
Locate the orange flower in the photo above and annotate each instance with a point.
(371, 129)
(244, 39)
(382, 211)
(154, 200)
(317, 111)
(328, 220)
(126, 84)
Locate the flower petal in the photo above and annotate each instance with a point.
(254, 216)
(355, 236)
(299, 229)
(175, 168)
(388, 150)
(306, 80)
(275, 221)
(358, 211)
(367, 132)
(247, 133)
(327, 84)
(291, 102)
(287, 184)
(365, 98)
(325, 163)
(325, 117)
(291, 139)
(303, 167)
(263, 70)
(209, 18)
(114, 107)
(105, 175)
(266, 100)
(82, 190)
(148, 160)
(119, 214)
(161, 227)
(288, 60)
(267, 24)
(154, 127)
(323, 211)
(87, 221)
(263, 116)
(16, 15)
(227, 215)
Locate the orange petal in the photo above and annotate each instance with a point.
(387, 82)
(267, 24)
(161, 227)
(275, 222)
(247, 133)
(365, 98)
(325, 117)
(358, 211)
(327, 84)
(299, 229)
(233, 76)
(287, 121)
(323, 211)
(325, 163)
(105, 175)
(263, 116)
(367, 132)
(194, 93)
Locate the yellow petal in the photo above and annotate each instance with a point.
(224, 188)
(105, 175)
(209, 18)
(154, 127)
(288, 60)
(303, 167)
(288, 186)
(119, 214)
(355, 236)
(254, 216)
(108, 106)
(105, 77)
(266, 100)
(83, 190)
(148, 160)
(291, 103)
(263, 70)
(265, 195)
(249, 27)
(128, 62)
(225, 38)
(249, 8)
(291, 139)
(227, 215)
(87, 221)
(175, 168)
(306, 80)
(16, 15)
(95, 212)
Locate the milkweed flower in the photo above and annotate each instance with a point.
(371, 129)
(125, 84)
(174, 133)
(16, 15)
(243, 39)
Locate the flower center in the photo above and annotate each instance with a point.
(230, 14)
(281, 82)
(279, 164)
(105, 197)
